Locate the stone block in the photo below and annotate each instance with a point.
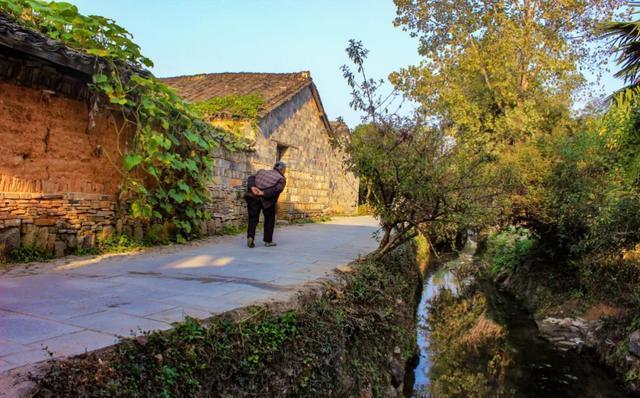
(160, 232)
(45, 221)
(634, 343)
(41, 237)
(51, 197)
(138, 232)
(59, 248)
(28, 232)
(12, 222)
(9, 240)
(88, 241)
(106, 232)
(72, 241)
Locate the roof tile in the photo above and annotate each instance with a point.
(275, 88)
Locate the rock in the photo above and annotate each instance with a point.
(347, 269)
(390, 392)
(138, 233)
(396, 370)
(565, 323)
(106, 232)
(568, 333)
(366, 392)
(72, 241)
(28, 234)
(9, 240)
(60, 248)
(634, 343)
(502, 276)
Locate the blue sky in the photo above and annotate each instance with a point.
(199, 36)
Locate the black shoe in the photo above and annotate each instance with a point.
(251, 243)
(270, 244)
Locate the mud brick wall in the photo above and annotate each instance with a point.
(57, 181)
(47, 145)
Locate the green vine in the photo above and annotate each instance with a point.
(165, 166)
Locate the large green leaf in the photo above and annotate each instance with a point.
(179, 197)
(131, 160)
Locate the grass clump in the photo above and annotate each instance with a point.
(27, 254)
(118, 243)
(232, 229)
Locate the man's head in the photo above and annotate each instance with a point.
(280, 166)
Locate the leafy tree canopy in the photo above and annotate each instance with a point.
(497, 72)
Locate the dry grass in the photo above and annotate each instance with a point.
(483, 331)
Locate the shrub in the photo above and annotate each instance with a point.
(507, 248)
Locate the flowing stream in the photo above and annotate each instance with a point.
(535, 368)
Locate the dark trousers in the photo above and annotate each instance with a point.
(254, 207)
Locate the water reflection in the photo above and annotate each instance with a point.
(439, 279)
(479, 343)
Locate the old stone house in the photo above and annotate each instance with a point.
(291, 126)
(58, 185)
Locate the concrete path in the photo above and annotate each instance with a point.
(73, 307)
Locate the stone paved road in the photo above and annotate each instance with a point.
(81, 306)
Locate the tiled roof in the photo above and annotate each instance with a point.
(275, 88)
(36, 44)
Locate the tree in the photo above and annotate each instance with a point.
(624, 115)
(420, 181)
(499, 72)
(625, 39)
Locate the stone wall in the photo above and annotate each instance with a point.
(317, 184)
(227, 187)
(57, 223)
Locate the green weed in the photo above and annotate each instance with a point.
(507, 248)
(27, 254)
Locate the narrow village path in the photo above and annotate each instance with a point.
(76, 306)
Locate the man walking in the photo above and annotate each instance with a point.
(263, 190)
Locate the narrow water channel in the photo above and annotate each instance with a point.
(534, 368)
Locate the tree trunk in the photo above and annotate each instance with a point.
(385, 238)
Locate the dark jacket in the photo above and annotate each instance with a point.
(271, 194)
